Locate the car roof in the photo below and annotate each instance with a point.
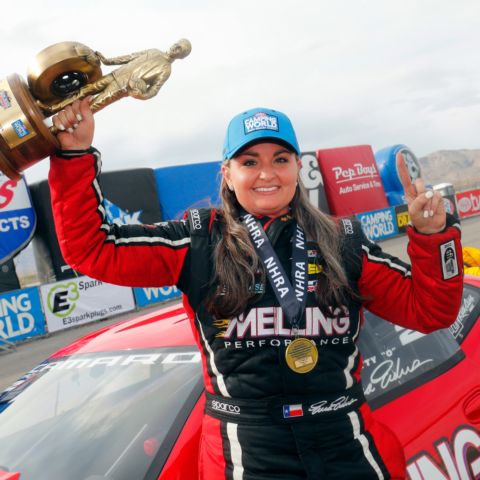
(165, 327)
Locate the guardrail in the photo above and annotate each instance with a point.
(6, 344)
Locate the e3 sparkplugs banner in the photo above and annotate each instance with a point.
(17, 217)
(83, 300)
(21, 315)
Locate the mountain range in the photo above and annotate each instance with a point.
(461, 168)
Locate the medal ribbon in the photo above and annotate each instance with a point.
(292, 296)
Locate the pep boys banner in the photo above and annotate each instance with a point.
(351, 179)
(83, 300)
(17, 217)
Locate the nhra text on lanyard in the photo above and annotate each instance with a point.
(292, 299)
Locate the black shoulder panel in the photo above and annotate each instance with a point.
(201, 223)
(199, 220)
(352, 247)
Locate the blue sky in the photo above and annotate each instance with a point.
(346, 72)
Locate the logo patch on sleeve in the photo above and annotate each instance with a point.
(260, 121)
(449, 260)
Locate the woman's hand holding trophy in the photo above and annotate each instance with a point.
(66, 79)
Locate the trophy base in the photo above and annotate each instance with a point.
(24, 137)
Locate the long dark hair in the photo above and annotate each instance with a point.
(238, 267)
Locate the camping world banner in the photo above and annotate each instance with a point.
(17, 217)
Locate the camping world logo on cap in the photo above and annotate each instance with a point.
(260, 121)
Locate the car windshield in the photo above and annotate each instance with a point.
(97, 416)
(397, 360)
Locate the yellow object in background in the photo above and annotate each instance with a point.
(471, 260)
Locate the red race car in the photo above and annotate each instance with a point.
(126, 402)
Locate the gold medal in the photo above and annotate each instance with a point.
(301, 355)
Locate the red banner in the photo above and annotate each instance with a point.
(351, 179)
(468, 203)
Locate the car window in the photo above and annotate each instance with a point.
(469, 313)
(102, 415)
(397, 360)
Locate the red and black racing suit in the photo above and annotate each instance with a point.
(263, 420)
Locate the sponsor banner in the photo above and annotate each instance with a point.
(312, 181)
(447, 191)
(379, 224)
(21, 315)
(196, 185)
(148, 296)
(352, 181)
(468, 203)
(17, 217)
(83, 300)
(8, 277)
(450, 205)
(386, 159)
(122, 202)
(402, 218)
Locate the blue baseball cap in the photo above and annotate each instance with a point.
(256, 125)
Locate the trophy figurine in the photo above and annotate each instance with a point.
(61, 74)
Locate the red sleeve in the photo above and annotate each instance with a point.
(423, 297)
(132, 255)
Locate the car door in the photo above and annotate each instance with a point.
(426, 388)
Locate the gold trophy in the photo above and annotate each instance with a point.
(61, 74)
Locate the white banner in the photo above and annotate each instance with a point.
(83, 300)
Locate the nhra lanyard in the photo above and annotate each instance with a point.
(292, 299)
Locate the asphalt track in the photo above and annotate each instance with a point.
(14, 363)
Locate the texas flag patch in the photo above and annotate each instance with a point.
(292, 410)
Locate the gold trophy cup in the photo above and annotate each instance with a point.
(61, 74)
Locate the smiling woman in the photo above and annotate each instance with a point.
(264, 178)
(274, 290)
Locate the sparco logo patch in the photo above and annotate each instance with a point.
(449, 260)
(196, 222)
(225, 407)
(260, 121)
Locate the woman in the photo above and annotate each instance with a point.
(274, 290)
